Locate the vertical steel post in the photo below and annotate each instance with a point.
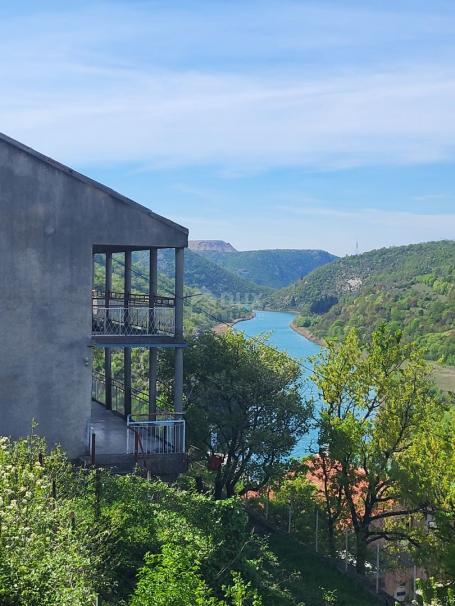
(178, 383)
(179, 271)
(107, 351)
(377, 568)
(127, 350)
(153, 352)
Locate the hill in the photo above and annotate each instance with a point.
(213, 245)
(413, 287)
(202, 273)
(272, 268)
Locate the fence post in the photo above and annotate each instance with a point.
(136, 445)
(377, 568)
(97, 493)
(93, 448)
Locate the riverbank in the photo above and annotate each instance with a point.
(220, 329)
(304, 332)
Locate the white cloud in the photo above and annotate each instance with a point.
(68, 90)
(227, 120)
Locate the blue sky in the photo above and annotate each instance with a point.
(268, 124)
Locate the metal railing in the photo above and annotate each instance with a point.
(139, 400)
(99, 297)
(164, 434)
(133, 321)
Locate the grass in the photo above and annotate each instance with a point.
(315, 575)
(444, 377)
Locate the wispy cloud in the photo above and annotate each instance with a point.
(76, 88)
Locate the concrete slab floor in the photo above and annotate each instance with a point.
(110, 430)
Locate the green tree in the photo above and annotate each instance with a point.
(243, 403)
(51, 546)
(376, 398)
(427, 478)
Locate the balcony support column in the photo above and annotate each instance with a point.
(127, 350)
(108, 377)
(107, 351)
(127, 379)
(179, 271)
(178, 380)
(153, 351)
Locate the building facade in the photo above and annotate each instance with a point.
(55, 226)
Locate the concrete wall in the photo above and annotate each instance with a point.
(49, 222)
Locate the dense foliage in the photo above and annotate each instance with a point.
(384, 465)
(272, 268)
(376, 400)
(243, 404)
(410, 287)
(68, 535)
(202, 273)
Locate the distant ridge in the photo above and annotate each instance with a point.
(272, 268)
(210, 245)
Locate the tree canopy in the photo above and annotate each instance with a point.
(244, 405)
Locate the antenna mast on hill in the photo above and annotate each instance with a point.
(357, 247)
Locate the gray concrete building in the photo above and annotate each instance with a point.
(56, 227)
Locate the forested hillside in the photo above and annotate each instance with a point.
(202, 273)
(412, 287)
(273, 268)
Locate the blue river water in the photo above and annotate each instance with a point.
(276, 325)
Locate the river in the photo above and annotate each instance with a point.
(277, 325)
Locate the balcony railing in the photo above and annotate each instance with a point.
(162, 434)
(143, 316)
(139, 399)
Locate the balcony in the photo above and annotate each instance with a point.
(155, 442)
(144, 316)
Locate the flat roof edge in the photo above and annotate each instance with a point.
(87, 180)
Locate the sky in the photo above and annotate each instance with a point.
(268, 124)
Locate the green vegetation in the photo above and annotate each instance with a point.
(243, 401)
(69, 535)
(376, 401)
(410, 287)
(272, 268)
(384, 466)
(202, 273)
(318, 582)
(386, 459)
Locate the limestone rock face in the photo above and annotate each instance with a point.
(211, 245)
